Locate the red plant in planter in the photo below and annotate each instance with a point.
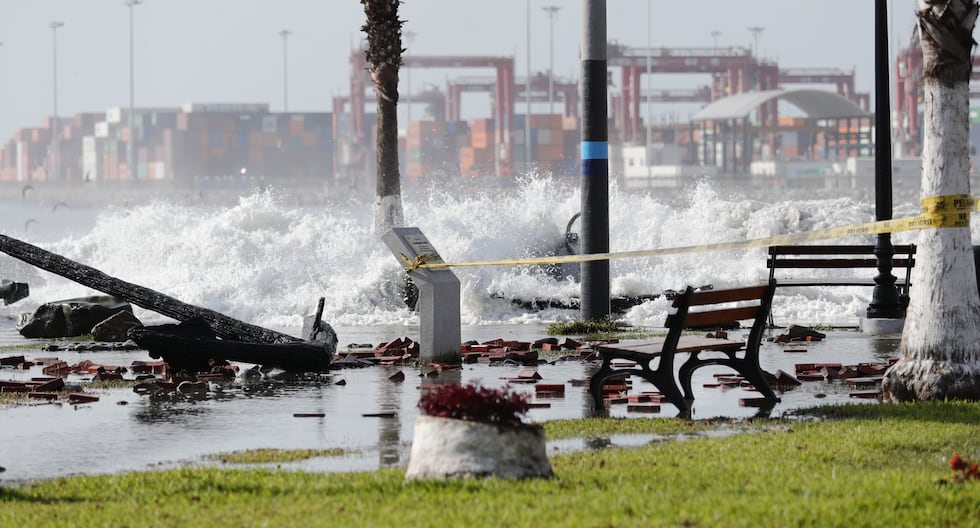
(475, 403)
(967, 470)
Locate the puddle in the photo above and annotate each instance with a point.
(126, 431)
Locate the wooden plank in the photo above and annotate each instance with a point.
(700, 298)
(644, 349)
(717, 317)
(816, 281)
(833, 263)
(844, 249)
(222, 325)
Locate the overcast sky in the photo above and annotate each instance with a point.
(231, 51)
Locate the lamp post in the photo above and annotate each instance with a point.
(885, 302)
(715, 34)
(647, 154)
(284, 33)
(55, 158)
(527, 94)
(131, 144)
(552, 12)
(756, 31)
(409, 37)
(595, 161)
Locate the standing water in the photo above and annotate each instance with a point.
(267, 257)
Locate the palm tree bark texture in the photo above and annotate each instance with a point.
(940, 347)
(384, 55)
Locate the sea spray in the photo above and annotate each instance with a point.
(266, 261)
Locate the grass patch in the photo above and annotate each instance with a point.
(108, 384)
(268, 456)
(21, 347)
(602, 329)
(595, 427)
(889, 468)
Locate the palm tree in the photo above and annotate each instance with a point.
(940, 349)
(384, 54)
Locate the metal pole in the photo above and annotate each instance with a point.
(285, 70)
(756, 31)
(595, 161)
(552, 13)
(647, 155)
(527, 96)
(409, 37)
(715, 34)
(55, 146)
(884, 301)
(131, 144)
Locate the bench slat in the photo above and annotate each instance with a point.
(834, 263)
(700, 298)
(845, 249)
(852, 281)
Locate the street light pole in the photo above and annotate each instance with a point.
(756, 31)
(527, 96)
(55, 158)
(647, 154)
(552, 14)
(409, 37)
(285, 70)
(715, 34)
(131, 144)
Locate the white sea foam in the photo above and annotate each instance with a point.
(266, 261)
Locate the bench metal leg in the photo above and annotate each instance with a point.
(744, 368)
(662, 379)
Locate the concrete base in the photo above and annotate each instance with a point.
(882, 326)
(446, 447)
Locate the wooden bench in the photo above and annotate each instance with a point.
(837, 257)
(700, 310)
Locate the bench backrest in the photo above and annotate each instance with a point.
(844, 256)
(836, 256)
(719, 308)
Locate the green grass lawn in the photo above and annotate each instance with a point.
(861, 465)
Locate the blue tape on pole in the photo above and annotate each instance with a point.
(595, 150)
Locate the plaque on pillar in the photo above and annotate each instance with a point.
(438, 304)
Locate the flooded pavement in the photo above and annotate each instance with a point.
(370, 416)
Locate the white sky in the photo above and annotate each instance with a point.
(230, 50)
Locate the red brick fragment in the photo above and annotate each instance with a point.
(76, 397)
(54, 384)
(558, 388)
(754, 402)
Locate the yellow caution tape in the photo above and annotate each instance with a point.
(937, 212)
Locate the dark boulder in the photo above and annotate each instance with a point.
(116, 328)
(12, 292)
(71, 317)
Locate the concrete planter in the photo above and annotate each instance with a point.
(447, 447)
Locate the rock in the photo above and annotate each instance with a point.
(12, 292)
(71, 317)
(116, 328)
(803, 332)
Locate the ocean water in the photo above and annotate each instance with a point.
(267, 256)
(266, 260)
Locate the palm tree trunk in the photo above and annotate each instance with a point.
(940, 348)
(384, 54)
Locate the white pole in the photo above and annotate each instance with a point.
(131, 144)
(285, 70)
(409, 37)
(55, 158)
(552, 14)
(649, 145)
(527, 96)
